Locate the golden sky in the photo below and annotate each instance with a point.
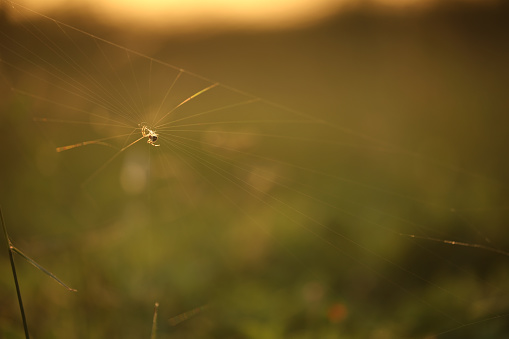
(196, 14)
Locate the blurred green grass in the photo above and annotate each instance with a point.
(432, 84)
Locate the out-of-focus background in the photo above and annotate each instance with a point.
(285, 220)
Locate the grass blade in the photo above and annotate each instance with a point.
(14, 275)
(33, 262)
(187, 315)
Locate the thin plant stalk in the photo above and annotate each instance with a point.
(14, 275)
(154, 322)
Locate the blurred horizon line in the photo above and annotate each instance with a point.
(280, 17)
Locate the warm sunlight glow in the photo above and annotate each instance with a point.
(194, 14)
(217, 14)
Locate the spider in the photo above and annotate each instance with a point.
(150, 134)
